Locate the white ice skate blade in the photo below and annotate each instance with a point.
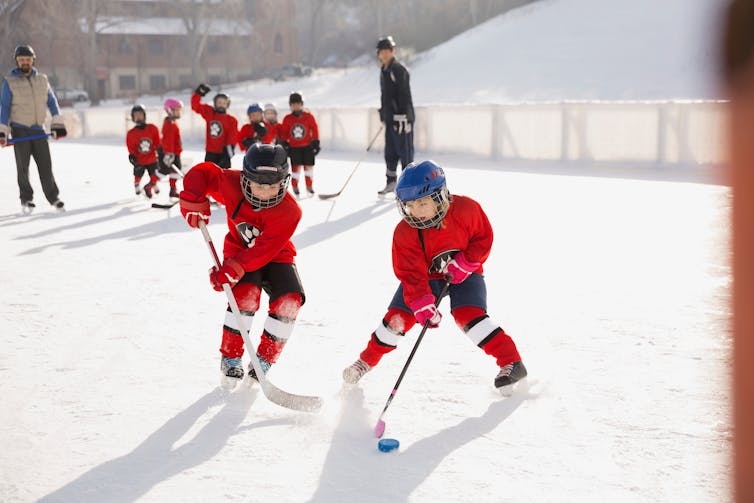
(229, 383)
(521, 386)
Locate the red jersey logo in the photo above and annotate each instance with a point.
(215, 129)
(145, 145)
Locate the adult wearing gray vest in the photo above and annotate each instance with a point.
(25, 98)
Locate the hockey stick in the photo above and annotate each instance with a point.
(167, 206)
(330, 196)
(379, 429)
(272, 392)
(13, 141)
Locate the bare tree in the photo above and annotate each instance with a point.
(198, 18)
(10, 12)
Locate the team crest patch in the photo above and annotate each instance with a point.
(215, 129)
(298, 131)
(441, 260)
(248, 233)
(145, 145)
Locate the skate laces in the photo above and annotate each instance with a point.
(360, 366)
(505, 370)
(232, 362)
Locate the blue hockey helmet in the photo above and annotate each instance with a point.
(419, 180)
(266, 165)
(254, 107)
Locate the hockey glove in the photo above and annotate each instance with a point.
(132, 159)
(425, 311)
(168, 159)
(57, 128)
(315, 146)
(230, 272)
(286, 146)
(4, 134)
(202, 89)
(260, 129)
(194, 208)
(401, 124)
(459, 268)
(247, 142)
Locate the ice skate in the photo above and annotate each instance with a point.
(389, 187)
(508, 376)
(262, 363)
(27, 207)
(59, 205)
(137, 189)
(148, 189)
(296, 191)
(310, 190)
(354, 372)
(173, 193)
(232, 372)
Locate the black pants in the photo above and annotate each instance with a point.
(222, 159)
(398, 147)
(41, 152)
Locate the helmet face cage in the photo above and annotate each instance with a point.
(264, 203)
(441, 198)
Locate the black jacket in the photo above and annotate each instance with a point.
(396, 92)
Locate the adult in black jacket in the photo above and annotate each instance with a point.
(396, 112)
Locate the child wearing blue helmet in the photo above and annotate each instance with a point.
(441, 237)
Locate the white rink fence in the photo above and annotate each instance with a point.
(638, 133)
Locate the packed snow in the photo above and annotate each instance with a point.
(613, 281)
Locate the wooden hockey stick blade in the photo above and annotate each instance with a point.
(329, 196)
(164, 206)
(302, 403)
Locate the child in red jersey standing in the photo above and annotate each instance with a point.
(142, 142)
(300, 137)
(273, 126)
(222, 128)
(169, 153)
(440, 237)
(255, 130)
(258, 253)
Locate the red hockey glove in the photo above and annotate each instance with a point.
(425, 311)
(459, 268)
(194, 208)
(229, 273)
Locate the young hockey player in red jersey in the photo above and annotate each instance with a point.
(300, 137)
(271, 121)
(441, 236)
(169, 153)
(258, 253)
(222, 128)
(142, 141)
(255, 130)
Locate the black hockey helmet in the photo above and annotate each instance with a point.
(138, 108)
(295, 97)
(24, 50)
(218, 96)
(386, 43)
(267, 165)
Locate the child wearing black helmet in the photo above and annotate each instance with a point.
(222, 128)
(258, 252)
(441, 238)
(299, 135)
(142, 142)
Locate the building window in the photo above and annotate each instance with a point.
(278, 44)
(186, 81)
(127, 82)
(156, 82)
(123, 46)
(156, 46)
(215, 80)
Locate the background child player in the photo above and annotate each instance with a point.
(169, 153)
(272, 124)
(440, 236)
(300, 137)
(258, 253)
(142, 141)
(222, 128)
(255, 130)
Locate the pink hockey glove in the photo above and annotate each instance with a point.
(194, 208)
(459, 268)
(230, 272)
(425, 311)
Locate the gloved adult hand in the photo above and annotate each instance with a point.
(459, 268)
(194, 208)
(260, 129)
(202, 89)
(57, 127)
(425, 311)
(230, 272)
(168, 159)
(4, 134)
(132, 159)
(401, 124)
(315, 146)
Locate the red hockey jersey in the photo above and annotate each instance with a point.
(171, 137)
(465, 228)
(255, 237)
(273, 132)
(222, 129)
(299, 131)
(247, 131)
(143, 143)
